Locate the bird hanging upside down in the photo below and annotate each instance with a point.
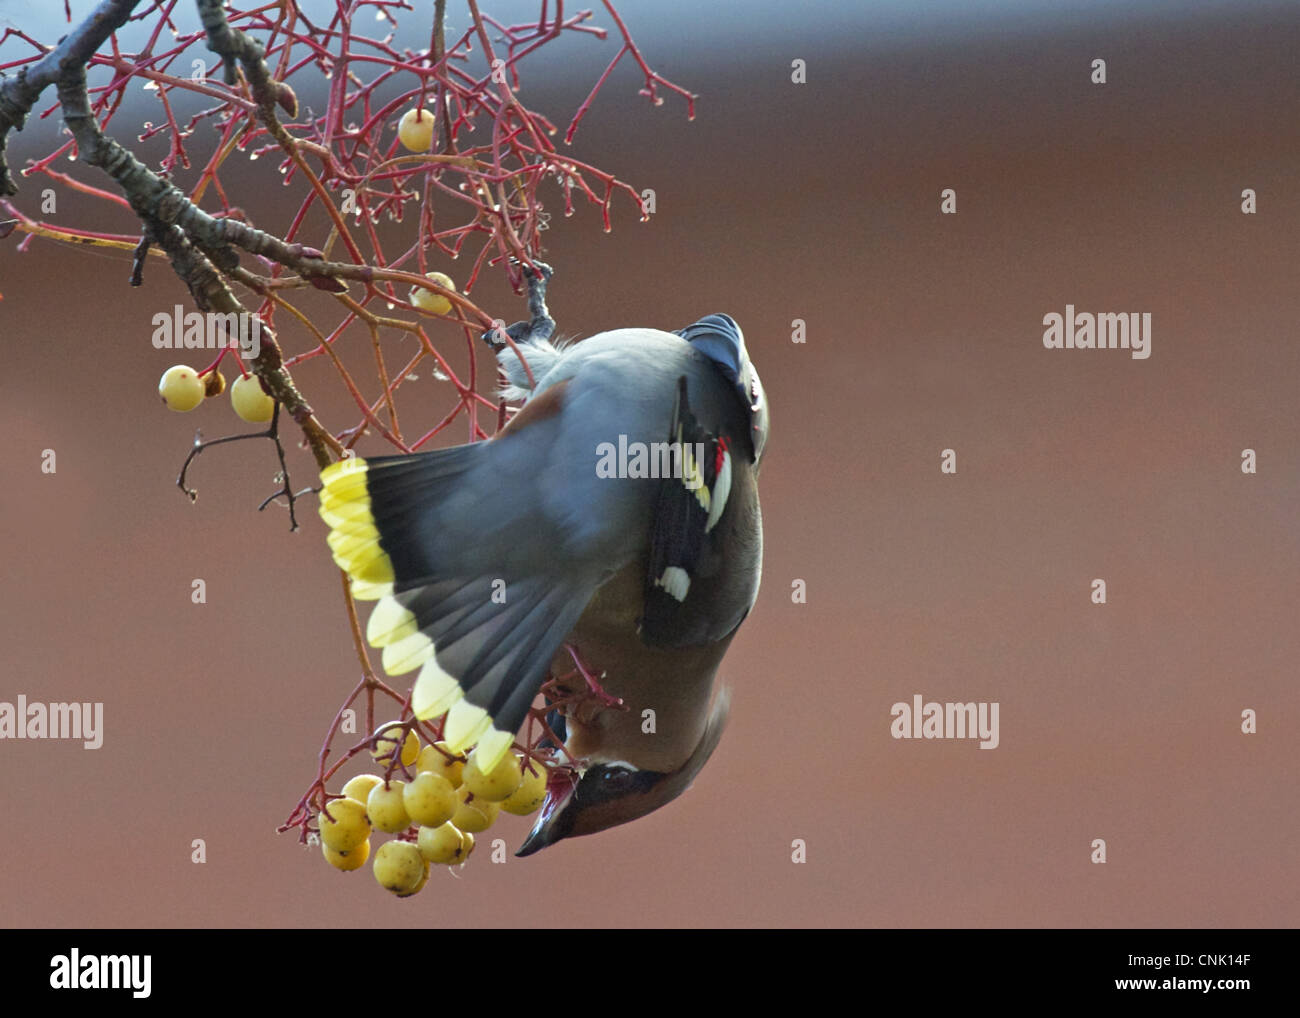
(609, 536)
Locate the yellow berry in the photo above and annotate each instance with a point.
(181, 388)
(343, 824)
(474, 815)
(400, 868)
(434, 758)
(430, 800)
(415, 130)
(423, 880)
(352, 859)
(359, 787)
(386, 745)
(427, 300)
(250, 400)
(530, 794)
(498, 783)
(444, 844)
(385, 809)
(467, 843)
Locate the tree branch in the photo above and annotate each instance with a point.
(162, 209)
(19, 95)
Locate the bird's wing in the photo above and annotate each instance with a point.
(482, 557)
(705, 541)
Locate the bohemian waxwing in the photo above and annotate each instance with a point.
(609, 536)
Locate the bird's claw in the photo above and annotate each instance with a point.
(541, 326)
(541, 268)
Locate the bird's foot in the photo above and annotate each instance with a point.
(520, 332)
(537, 276)
(541, 326)
(542, 269)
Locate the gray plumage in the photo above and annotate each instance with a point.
(527, 509)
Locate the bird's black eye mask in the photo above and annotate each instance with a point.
(605, 781)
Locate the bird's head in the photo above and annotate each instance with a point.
(605, 794)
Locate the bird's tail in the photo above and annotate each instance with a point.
(461, 596)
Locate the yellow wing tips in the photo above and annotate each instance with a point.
(366, 562)
(340, 470)
(396, 629)
(353, 538)
(436, 692)
(492, 746)
(345, 513)
(693, 476)
(390, 622)
(465, 724)
(692, 472)
(407, 654)
(354, 541)
(363, 590)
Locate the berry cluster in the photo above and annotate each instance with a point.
(182, 389)
(434, 816)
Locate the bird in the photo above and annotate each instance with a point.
(606, 542)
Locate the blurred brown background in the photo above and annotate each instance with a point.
(781, 201)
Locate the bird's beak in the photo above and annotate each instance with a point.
(552, 824)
